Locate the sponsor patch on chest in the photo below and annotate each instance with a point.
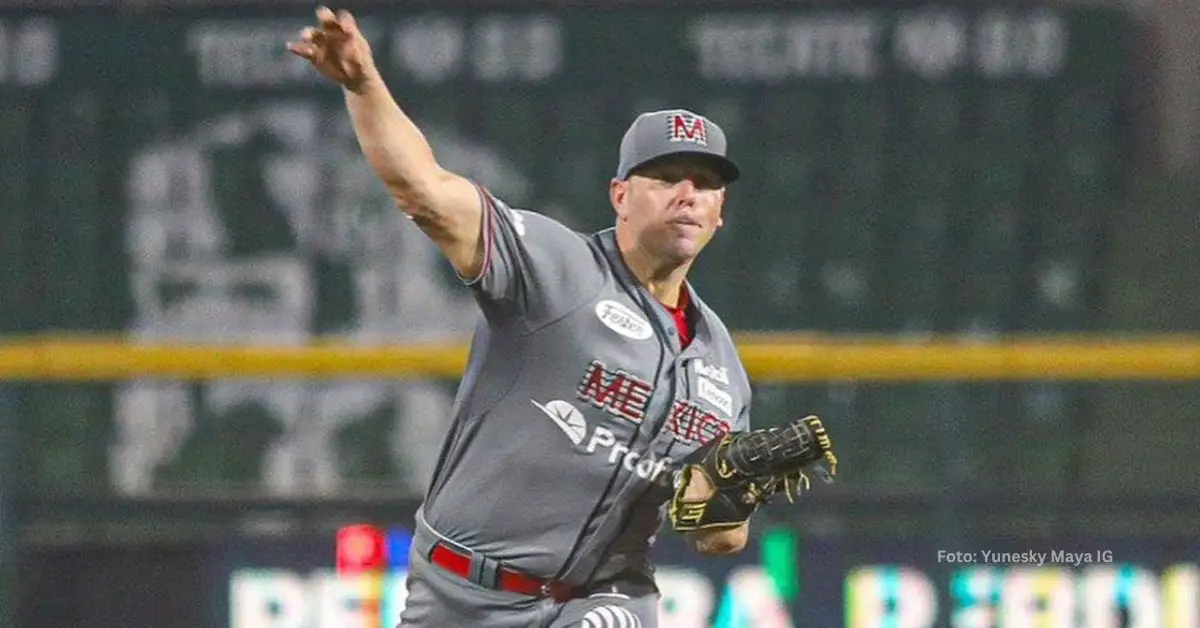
(623, 320)
(716, 373)
(644, 464)
(713, 394)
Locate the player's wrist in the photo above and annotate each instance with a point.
(368, 81)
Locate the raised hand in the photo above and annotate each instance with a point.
(336, 48)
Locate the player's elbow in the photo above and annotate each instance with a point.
(424, 198)
(449, 210)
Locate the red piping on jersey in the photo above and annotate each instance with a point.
(487, 219)
(679, 313)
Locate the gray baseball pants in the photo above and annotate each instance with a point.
(440, 599)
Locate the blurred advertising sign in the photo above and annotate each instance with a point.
(782, 581)
(322, 598)
(366, 587)
(1097, 596)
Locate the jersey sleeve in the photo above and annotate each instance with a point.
(533, 266)
(742, 422)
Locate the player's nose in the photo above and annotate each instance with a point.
(685, 189)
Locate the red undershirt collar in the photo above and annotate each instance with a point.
(679, 314)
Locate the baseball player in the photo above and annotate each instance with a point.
(601, 396)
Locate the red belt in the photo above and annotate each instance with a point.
(458, 562)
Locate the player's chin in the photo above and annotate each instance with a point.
(679, 245)
(690, 245)
(682, 250)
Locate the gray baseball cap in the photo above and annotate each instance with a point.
(657, 134)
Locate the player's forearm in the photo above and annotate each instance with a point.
(720, 542)
(396, 149)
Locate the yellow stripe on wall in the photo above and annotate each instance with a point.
(768, 358)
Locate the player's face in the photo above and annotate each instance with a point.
(673, 207)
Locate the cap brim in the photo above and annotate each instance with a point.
(728, 170)
(723, 166)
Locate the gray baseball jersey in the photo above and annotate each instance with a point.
(576, 402)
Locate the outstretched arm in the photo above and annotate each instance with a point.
(444, 205)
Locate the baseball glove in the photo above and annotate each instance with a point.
(747, 468)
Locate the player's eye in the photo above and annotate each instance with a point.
(669, 178)
(702, 178)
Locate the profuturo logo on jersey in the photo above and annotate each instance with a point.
(567, 417)
(570, 420)
(623, 320)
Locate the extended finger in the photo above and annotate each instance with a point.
(347, 21)
(311, 35)
(305, 50)
(327, 19)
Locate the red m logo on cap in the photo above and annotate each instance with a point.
(685, 128)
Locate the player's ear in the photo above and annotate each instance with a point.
(618, 191)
